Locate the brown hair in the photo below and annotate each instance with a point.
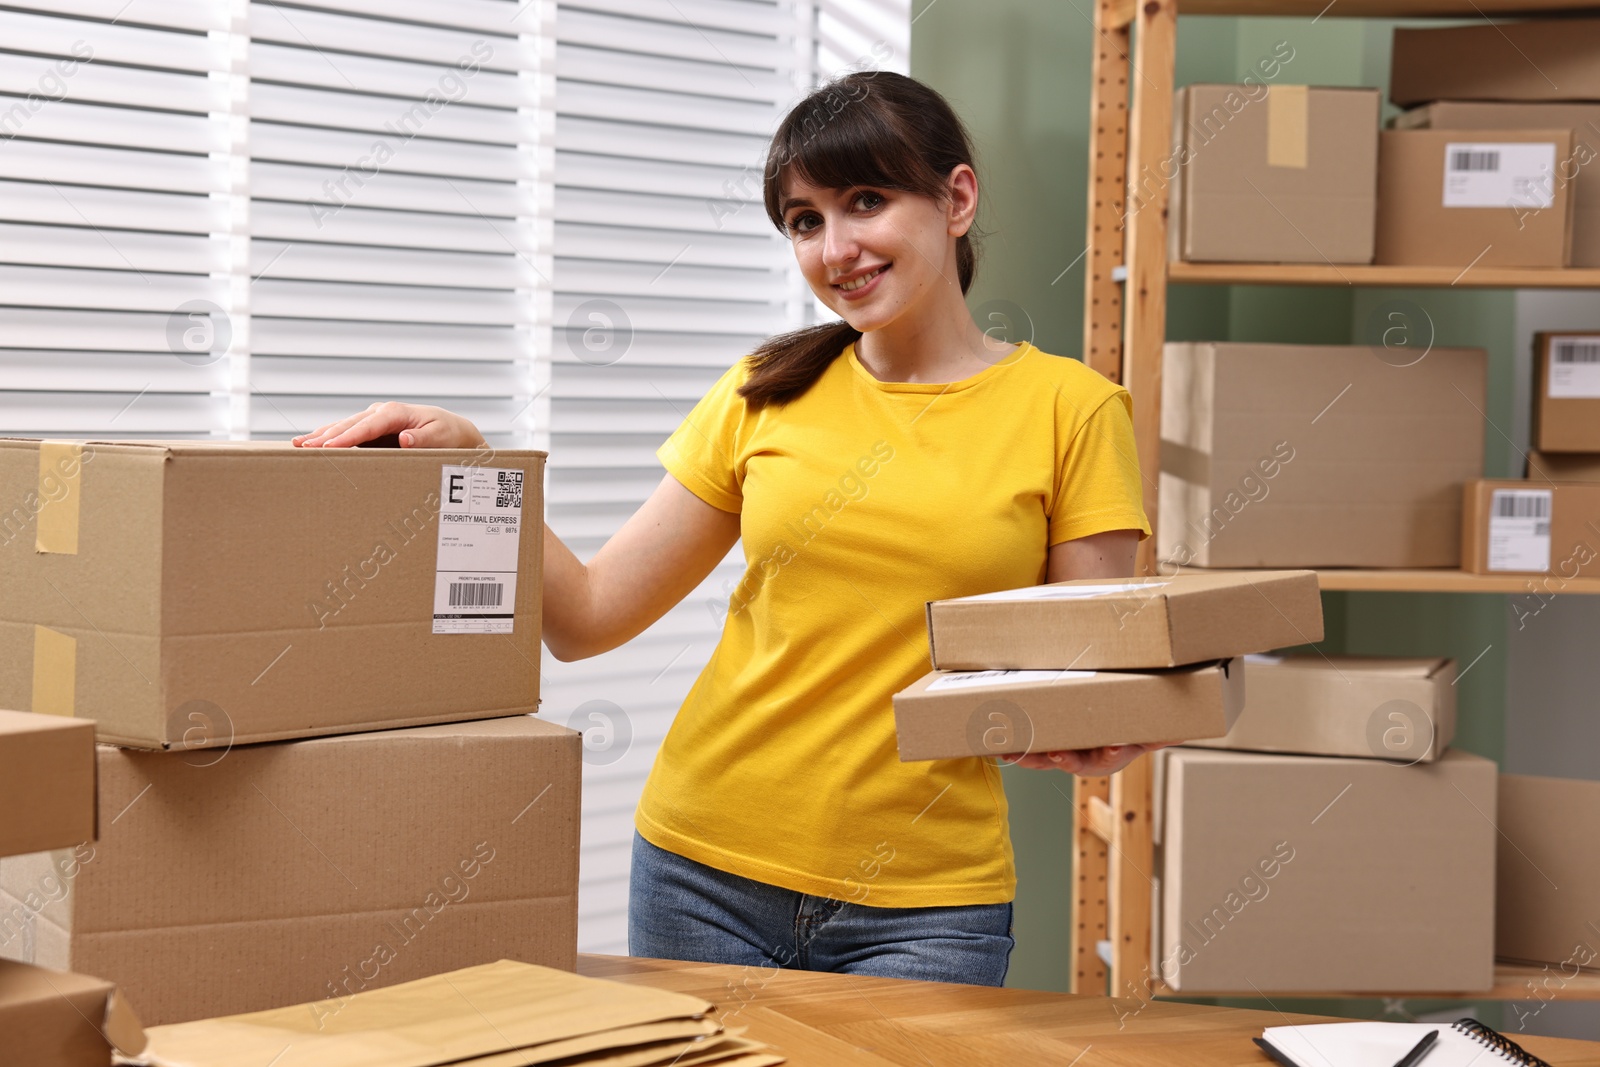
(871, 128)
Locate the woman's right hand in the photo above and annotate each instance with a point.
(416, 425)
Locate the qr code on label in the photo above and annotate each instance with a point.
(509, 490)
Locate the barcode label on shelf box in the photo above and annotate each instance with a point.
(1574, 368)
(1520, 176)
(1519, 530)
(480, 527)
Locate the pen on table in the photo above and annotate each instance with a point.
(1420, 1050)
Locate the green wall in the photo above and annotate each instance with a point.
(1018, 71)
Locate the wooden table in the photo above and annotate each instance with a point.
(841, 1020)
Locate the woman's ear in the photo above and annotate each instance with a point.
(962, 205)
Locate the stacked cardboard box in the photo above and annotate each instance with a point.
(1333, 834)
(1084, 664)
(319, 668)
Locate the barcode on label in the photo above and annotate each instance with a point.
(1478, 160)
(1514, 504)
(476, 594)
(1572, 350)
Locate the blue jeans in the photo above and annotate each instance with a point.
(679, 909)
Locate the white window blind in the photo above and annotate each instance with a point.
(667, 271)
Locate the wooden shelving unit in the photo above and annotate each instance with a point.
(1124, 329)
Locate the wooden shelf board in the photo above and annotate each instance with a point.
(1512, 981)
(1451, 581)
(1385, 8)
(1370, 275)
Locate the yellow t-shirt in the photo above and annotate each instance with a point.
(859, 502)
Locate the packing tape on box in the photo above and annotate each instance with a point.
(60, 470)
(1286, 125)
(55, 672)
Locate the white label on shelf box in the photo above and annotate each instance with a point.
(1574, 368)
(1513, 175)
(1067, 592)
(964, 679)
(480, 526)
(1519, 530)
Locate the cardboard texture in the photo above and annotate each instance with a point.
(1285, 177)
(1582, 119)
(1564, 466)
(1474, 198)
(1539, 59)
(1531, 527)
(300, 870)
(948, 715)
(58, 1019)
(1547, 886)
(474, 1015)
(1139, 623)
(199, 594)
(1317, 455)
(1566, 392)
(1282, 873)
(1388, 707)
(46, 782)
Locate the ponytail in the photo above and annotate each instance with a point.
(787, 365)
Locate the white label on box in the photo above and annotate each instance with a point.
(1574, 368)
(964, 679)
(1263, 659)
(1067, 592)
(1520, 175)
(1519, 530)
(480, 528)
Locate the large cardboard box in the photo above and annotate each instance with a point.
(1274, 174)
(202, 594)
(1139, 623)
(1548, 881)
(1538, 59)
(1317, 455)
(950, 714)
(1566, 392)
(304, 870)
(54, 1019)
(1564, 466)
(1531, 527)
(1321, 874)
(1474, 198)
(1379, 707)
(46, 782)
(1582, 119)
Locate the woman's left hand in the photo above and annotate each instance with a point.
(1089, 762)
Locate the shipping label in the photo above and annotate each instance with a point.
(1520, 175)
(968, 679)
(1519, 530)
(1574, 368)
(480, 531)
(1069, 592)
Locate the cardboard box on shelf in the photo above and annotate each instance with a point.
(56, 1019)
(1564, 466)
(1537, 59)
(1547, 890)
(1582, 119)
(1274, 174)
(1531, 527)
(1566, 392)
(1317, 455)
(1379, 707)
(950, 714)
(1138, 623)
(1474, 198)
(1287, 873)
(47, 789)
(301, 870)
(194, 594)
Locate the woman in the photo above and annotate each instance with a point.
(869, 465)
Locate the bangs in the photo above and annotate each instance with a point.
(835, 141)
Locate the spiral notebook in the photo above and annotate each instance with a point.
(1466, 1043)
